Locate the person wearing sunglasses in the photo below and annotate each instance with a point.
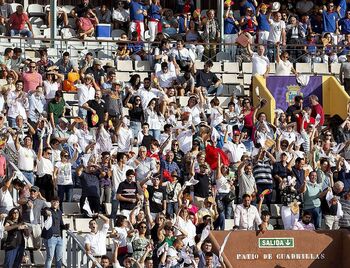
(31, 78)
(283, 66)
(45, 168)
(62, 176)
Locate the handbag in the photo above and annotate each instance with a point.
(229, 197)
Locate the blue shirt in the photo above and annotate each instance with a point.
(229, 26)
(247, 4)
(181, 24)
(329, 21)
(344, 23)
(343, 5)
(134, 7)
(153, 12)
(263, 22)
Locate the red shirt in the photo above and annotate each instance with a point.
(306, 124)
(317, 109)
(18, 21)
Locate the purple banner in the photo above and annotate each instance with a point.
(285, 88)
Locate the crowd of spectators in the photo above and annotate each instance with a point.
(170, 173)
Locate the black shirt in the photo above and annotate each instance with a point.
(100, 109)
(280, 170)
(97, 73)
(202, 187)
(156, 198)
(127, 190)
(290, 112)
(136, 114)
(146, 141)
(205, 79)
(300, 175)
(90, 184)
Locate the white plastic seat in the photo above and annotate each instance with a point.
(247, 79)
(229, 223)
(272, 68)
(247, 67)
(82, 225)
(321, 68)
(123, 76)
(116, 33)
(125, 65)
(231, 67)
(304, 68)
(67, 8)
(14, 6)
(35, 10)
(70, 208)
(335, 68)
(230, 79)
(67, 33)
(142, 66)
(199, 65)
(36, 21)
(142, 75)
(216, 67)
(47, 33)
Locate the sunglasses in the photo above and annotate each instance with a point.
(49, 153)
(66, 155)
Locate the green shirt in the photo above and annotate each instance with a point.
(311, 196)
(57, 108)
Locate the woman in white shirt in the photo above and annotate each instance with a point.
(283, 66)
(62, 176)
(223, 189)
(185, 223)
(154, 119)
(45, 171)
(52, 84)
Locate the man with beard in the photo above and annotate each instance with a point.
(96, 107)
(305, 223)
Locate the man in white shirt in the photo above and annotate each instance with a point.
(85, 92)
(235, 149)
(247, 216)
(277, 34)
(95, 242)
(26, 157)
(166, 76)
(118, 175)
(147, 93)
(17, 102)
(261, 64)
(143, 164)
(37, 102)
(125, 136)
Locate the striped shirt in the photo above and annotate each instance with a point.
(344, 222)
(262, 172)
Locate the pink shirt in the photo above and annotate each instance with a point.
(301, 226)
(31, 81)
(2, 166)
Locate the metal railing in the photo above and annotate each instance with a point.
(76, 254)
(109, 46)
